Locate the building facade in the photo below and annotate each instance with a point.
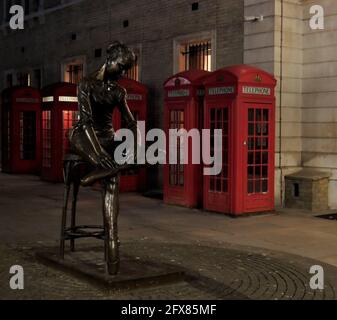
(304, 61)
(65, 39)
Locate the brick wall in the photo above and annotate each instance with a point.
(153, 25)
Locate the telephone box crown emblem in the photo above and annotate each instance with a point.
(258, 78)
(220, 78)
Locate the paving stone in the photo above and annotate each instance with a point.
(218, 252)
(213, 273)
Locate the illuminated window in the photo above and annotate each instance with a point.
(133, 73)
(70, 118)
(73, 73)
(196, 56)
(73, 70)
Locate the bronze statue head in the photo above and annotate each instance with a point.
(119, 60)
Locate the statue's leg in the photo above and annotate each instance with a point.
(67, 185)
(64, 219)
(110, 215)
(76, 187)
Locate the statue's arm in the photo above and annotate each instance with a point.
(95, 150)
(129, 119)
(125, 110)
(84, 105)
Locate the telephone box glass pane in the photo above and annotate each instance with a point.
(6, 132)
(27, 135)
(212, 180)
(70, 118)
(46, 139)
(176, 171)
(219, 121)
(258, 150)
(9, 139)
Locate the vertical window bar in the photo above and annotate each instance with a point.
(207, 50)
(187, 58)
(203, 57)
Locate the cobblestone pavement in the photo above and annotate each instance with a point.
(221, 263)
(217, 270)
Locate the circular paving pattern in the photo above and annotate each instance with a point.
(216, 271)
(231, 273)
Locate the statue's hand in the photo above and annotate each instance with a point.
(105, 161)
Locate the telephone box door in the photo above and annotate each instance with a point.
(184, 101)
(21, 130)
(28, 131)
(175, 173)
(258, 166)
(217, 186)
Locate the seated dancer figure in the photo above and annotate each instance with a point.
(93, 136)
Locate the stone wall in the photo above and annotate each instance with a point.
(266, 43)
(307, 189)
(319, 128)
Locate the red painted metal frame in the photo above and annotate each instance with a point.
(228, 88)
(51, 96)
(189, 99)
(137, 98)
(14, 101)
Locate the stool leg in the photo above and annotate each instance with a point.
(110, 215)
(76, 187)
(64, 219)
(105, 227)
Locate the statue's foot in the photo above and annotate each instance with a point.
(113, 267)
(101, 173)
(98, 174)
(113, 260)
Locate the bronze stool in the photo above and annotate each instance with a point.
(74, 168)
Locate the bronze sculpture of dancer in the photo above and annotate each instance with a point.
(93, 136)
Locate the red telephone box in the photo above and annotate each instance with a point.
(21, 118)
(183, 109)
(133, 180)
(59, 114)
(240, 100)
